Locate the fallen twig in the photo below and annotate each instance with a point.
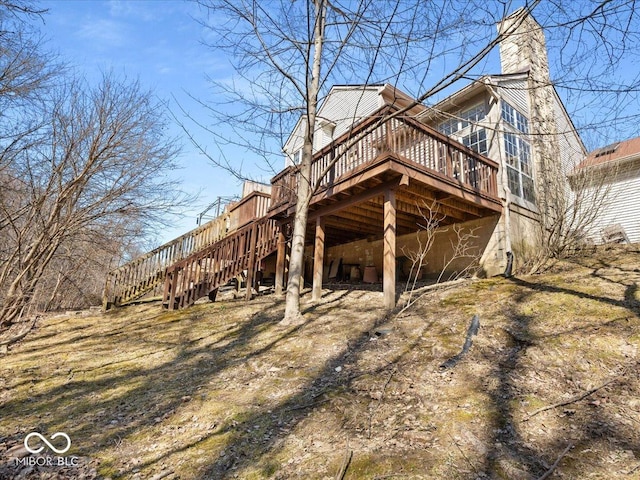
(633, 470)
(571, 400)
(548, 473)
(345, 465)
(164, 474)
(463, 454)
(384, 388)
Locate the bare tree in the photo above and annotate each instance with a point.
(93, 170)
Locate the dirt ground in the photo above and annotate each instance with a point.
(550, 387)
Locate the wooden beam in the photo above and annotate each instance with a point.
(389, 250)
(318, 260)
(421, 210)
(280, 261)
(370, 217)
(358, 198)
(351, 225)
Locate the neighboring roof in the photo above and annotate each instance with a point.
(618, 152)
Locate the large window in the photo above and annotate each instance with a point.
(462, 120)
(476, 141)
(518, 153)
(515, 118)
(474, 137)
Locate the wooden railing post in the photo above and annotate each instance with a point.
(253, 240)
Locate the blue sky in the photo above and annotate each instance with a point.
(158, 42)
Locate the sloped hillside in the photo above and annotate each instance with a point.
(550, 387)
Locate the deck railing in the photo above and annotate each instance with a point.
(145, 274)
(403, 138)
(255, 205)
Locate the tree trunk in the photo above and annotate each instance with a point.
(296, 260)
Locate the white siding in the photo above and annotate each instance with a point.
(571, 148)
(515, 93)
(620, 206)
(343, 107)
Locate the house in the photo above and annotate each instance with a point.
(515, 119)
(607, 176)
(488, 159)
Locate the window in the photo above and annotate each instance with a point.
(297, 157)
(518, 153)
(462, 120)
(515, 118)
(476, 141)
(519, 168)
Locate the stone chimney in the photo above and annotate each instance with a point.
(524, 47)
(524, 50)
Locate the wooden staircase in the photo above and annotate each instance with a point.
(145, 274)
(202, 273)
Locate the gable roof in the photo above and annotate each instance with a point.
(619, 152)
(385, 94)
(460, 97)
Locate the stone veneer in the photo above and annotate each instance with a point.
(524, 50)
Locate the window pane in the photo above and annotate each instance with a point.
(528, 191)
(514, 118)
(525, 158)
(508, 113)
(462, 120)
(476, 141)
(513, 178)
(511, 149)
(448, 126)
(522, 123)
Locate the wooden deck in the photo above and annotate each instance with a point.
(377, 182)
(373, 182)
(423, 166)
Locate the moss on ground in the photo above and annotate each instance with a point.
(223, 390)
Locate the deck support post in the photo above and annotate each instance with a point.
(253, 240)
(389, 250)
(280, 261)
(318, 259)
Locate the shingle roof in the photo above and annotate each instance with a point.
(628, 150)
